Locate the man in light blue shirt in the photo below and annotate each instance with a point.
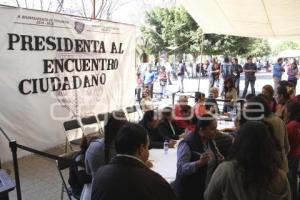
(149, 78)
(277, 73)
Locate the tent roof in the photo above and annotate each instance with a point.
(277, 19)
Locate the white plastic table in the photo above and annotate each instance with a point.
(164, 164)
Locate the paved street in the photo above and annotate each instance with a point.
(191, 85)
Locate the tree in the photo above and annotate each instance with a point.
(104, 9)
(260, 48)
(170, 27)
(167, 27)
(285, 45)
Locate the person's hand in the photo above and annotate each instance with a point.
(182, 135)
(149, 164)
(172, 143)
(204, 158)
(221, 158)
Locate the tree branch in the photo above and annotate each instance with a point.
(60, 6)
(99, 10)
(18, 3)
(50, 3)
(41, 2)
(83, 8)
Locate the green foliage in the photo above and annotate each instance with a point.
(260, 48)
(172, 27)
(285, 45)
(169, 27)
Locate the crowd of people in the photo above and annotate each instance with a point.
(219, 74)
(257, 159)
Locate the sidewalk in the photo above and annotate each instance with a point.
(39, 177)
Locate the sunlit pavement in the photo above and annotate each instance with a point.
(191, 86)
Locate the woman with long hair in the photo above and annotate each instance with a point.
(268, 92)
(282, 98)
(230, 94)
(101, 150)
(252, 171)
(293, 72)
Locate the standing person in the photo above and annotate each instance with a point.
(182, 70)
(127, 176)
(213, 73)
(277, 73)
(163, 78)
(268, 92)
(292, 73)
(251, 172)
(169, 72)
(139, 85)
(226, 72)
(149, 78)
(197, 158)
(204, 68)
(293, 129)
(267, 66)
(237, 70)
(198, 67)
(282, 98)
(250, 69)
(258, 109)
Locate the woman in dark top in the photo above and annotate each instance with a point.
(167, 128)
(77, 174)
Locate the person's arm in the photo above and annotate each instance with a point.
(240, 69)
(209, 69)
(216, 185)
(184, 166)
(246, 69)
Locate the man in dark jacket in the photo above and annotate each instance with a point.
(127, 176)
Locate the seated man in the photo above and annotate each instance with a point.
(127, 176)
(150, 123)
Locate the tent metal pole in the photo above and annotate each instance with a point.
(201, 52)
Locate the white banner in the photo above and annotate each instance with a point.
(55, 68)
